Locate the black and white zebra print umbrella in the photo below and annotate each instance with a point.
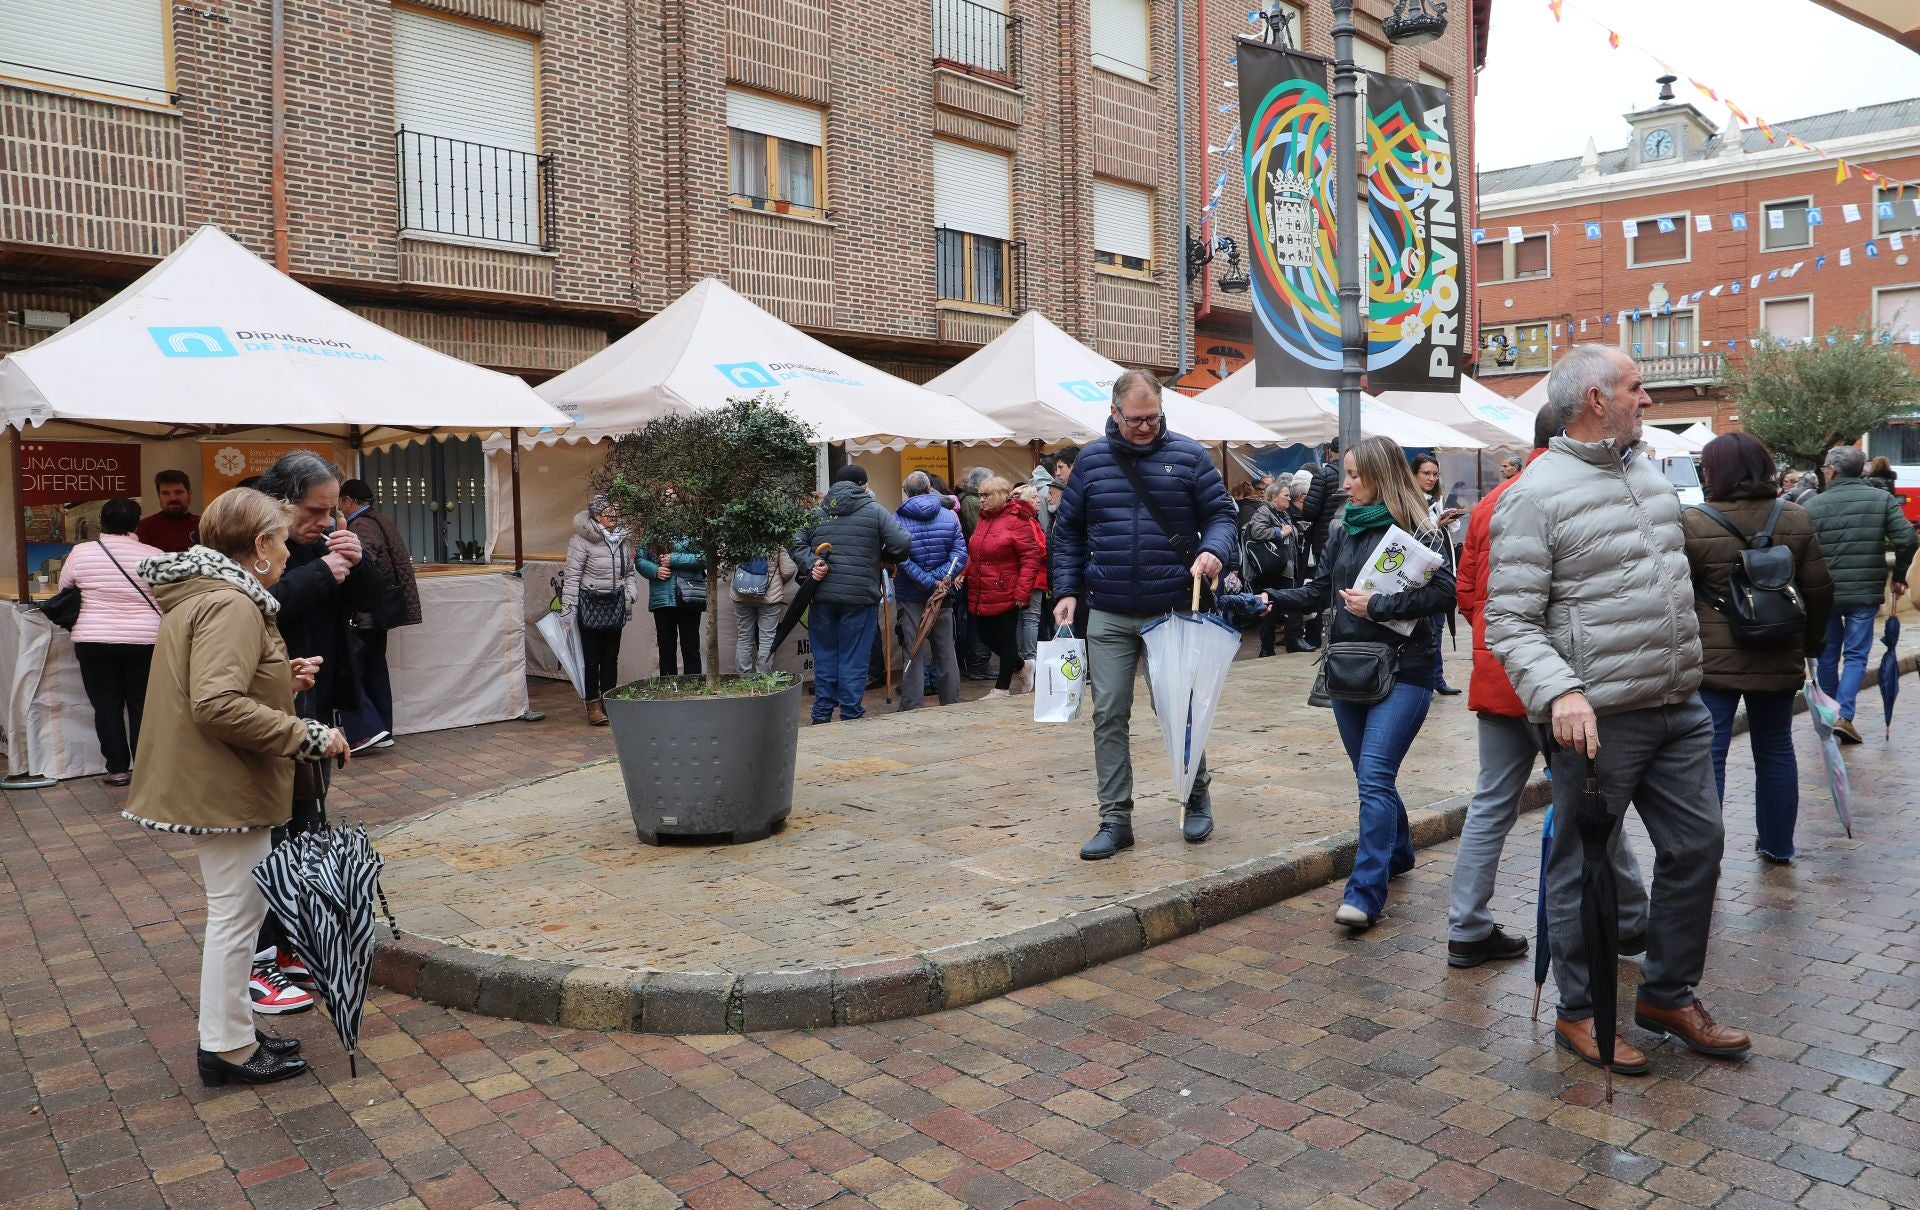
(323, 886)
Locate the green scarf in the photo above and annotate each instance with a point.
(1361, 518)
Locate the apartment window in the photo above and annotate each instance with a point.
(112, 48)
(1296, 20)
(774, 157)
(1897, 441)
(1652, 246)
(1122, 227)
(1905, 200)
(1660, 335)
(1787, 319)
(1784, 225)
(1121, 38)
(973, 220)
(468, 141)
(1370, 56)
(978, 36)
(1509, 261)
(1433, 79)
(1898, 308)
(1525, 348)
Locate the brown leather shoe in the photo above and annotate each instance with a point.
(596, 713)
(1844, 729)
(1693, 1028)
(1577, 1036)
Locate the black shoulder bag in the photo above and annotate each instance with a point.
(1762, 606)
(1357, 671)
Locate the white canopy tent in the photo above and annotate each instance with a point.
(214, 338)
(712, 345)
(1311, 415)
(1046, 386)
(1474, 410)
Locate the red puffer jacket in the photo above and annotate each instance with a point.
(1489, 691)
(1003, 559)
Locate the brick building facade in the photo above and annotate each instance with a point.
(1779, 226)
(604, 177)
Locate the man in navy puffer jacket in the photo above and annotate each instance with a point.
(1107, 547)
(939, 553)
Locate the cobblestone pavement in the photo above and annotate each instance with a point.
(1267, 1061)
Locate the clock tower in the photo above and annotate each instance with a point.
(1669, 132)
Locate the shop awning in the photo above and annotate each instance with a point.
(712, 345)
(215, 339)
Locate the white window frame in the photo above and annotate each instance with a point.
(1789, 298)
(1647, 316)
(1489, 363)
(1911, 321)
(1912, 231)
(1117, 66)
(1107, 260)
(1682, 218)
(1509, 254)
(49, 79)
(1806, 203)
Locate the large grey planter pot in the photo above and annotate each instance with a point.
(719, 768)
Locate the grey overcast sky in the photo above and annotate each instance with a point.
(1547, 87)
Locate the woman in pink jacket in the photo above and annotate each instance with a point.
(114, 636)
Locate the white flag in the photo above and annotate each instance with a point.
(1627, 227)
(1776, 219)
(1516, 234)
(1894, 239)
(1703, 222)
(1715, 292)
(1850, 212)
(1846, 256)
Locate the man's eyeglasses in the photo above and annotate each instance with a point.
(1139, 422)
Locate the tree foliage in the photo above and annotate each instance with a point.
(1804, 399)
(734, 480)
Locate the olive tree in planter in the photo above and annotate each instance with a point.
(711, 755)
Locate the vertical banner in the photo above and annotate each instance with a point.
(1415, 286)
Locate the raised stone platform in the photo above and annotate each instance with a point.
(931, 862)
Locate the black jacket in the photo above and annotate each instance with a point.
(864, 535)
(1419, 651)
(314, 620)
(1325, 501)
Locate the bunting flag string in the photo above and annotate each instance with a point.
(1615, 41)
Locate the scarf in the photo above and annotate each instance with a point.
(1361, 518)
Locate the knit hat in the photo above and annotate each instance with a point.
(851, 473)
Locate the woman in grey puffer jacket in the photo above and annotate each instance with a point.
(600, 569)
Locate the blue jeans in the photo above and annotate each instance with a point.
(1849, 632)
(842, 641)
(1776, 773)
(1377, 738)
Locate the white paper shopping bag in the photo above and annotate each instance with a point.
(1059, 678)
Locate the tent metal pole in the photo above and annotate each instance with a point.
(820, 469)
(513, 458)
(19, 515)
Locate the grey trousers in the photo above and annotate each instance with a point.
(1661, 761)
(1114, 657)
(1508, 748)
(938, 648)
(753, 635)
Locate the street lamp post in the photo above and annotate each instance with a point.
(1347, 135)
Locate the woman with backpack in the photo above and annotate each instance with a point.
(1739, 480)
(1367, 655)
(759, 592)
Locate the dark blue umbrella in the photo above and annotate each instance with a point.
(1890, 670)
(1540, 957)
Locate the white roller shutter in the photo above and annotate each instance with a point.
(781, 119)
(1370, 56)
(1899, 309)
(1122, 220)
(1120, 38)
(462, 82)
(972, 190)
(114, 47)
(1789, 319)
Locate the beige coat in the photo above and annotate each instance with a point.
(220, 736)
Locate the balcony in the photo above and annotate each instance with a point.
(1683, 370)
(978, 39)
(463, 191)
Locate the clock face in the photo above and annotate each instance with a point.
(1658, 145)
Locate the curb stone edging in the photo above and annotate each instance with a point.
(703, 1002)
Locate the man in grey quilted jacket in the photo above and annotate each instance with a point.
(1590, 610)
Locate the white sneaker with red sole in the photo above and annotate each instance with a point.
(291, 968)
(273, 995)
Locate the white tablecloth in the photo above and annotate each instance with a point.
(465, 664)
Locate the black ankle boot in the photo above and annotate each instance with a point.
(1197, 823)
(261, 1067)
(1110, 839)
